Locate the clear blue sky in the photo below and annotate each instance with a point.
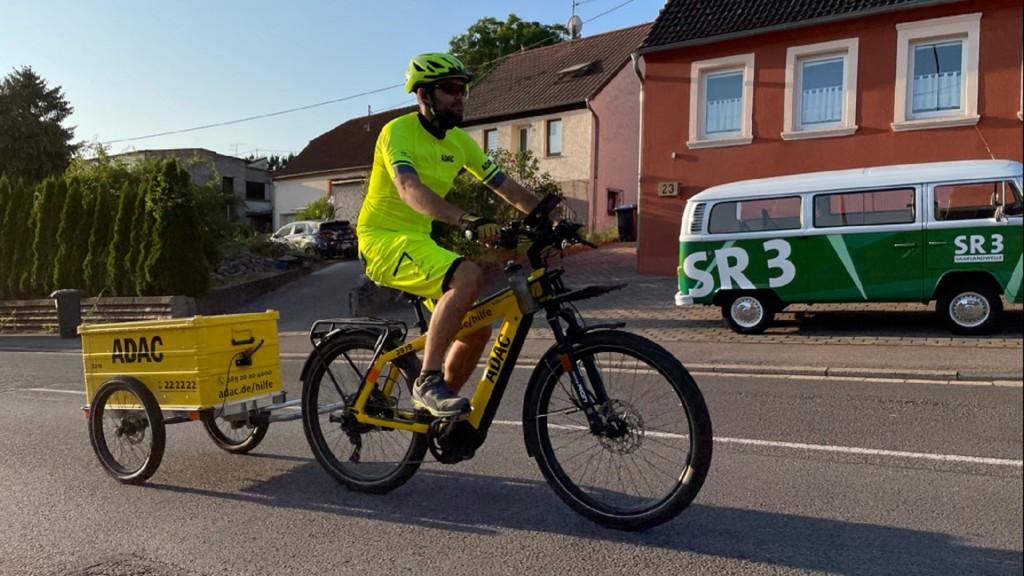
(134, 68)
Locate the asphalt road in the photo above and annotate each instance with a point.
(810, 476)
(850, 441)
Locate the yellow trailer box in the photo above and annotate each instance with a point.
(188, 363)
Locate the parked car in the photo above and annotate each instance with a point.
(301, 235)
(338, 238)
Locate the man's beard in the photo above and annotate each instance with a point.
(447, 119)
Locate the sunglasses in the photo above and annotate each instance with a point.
(453, 88)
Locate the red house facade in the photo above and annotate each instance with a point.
(742, 89)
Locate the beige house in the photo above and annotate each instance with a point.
(576, 107)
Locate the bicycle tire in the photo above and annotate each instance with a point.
(667, 423)
(234, 439)
(129, 442)
(385, 458)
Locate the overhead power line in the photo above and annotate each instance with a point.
(318, 104)
(250, 118)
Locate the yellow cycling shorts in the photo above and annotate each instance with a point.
(410, 262)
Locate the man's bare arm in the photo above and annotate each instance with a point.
(515, 194)
(424, 200)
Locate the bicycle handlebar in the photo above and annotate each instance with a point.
(542, 232)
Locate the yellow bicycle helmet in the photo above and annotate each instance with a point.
(427, 68)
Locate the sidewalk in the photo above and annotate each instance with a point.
(891, 341)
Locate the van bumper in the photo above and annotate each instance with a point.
(683, 300)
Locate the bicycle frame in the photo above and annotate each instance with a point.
(497, 370)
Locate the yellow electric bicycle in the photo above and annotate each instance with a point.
(615, 422)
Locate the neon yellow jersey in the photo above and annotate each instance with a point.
(405, 143)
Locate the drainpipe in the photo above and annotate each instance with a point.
(596, 143)
(640, 144)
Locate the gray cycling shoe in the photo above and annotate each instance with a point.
(432, 394)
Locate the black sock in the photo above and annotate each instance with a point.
(428, 373)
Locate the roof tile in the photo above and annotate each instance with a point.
(685, 21)
(349, 145)
(530, 81)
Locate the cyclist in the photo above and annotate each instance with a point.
(415, 162)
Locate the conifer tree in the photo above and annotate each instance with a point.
(6, 197)
(64, 266)
(175, 262)
(142, 236)
(120, 243)
(100, 235)
(46, 210)
(16, 238)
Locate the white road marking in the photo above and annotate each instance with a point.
(775, 444)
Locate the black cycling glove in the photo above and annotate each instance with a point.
(478, 227)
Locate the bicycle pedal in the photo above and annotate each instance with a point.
(424, 416)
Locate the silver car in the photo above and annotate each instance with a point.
(300, 235)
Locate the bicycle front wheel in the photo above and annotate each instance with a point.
(362, 457)
(650, 459)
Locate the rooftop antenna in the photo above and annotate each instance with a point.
(575, 24)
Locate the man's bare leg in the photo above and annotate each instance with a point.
(463, 357)
(463, 290)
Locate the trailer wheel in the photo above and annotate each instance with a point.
(969, 309)
(126, 429)
(235, 436)
(748, 312)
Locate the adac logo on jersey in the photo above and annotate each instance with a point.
(448, 158)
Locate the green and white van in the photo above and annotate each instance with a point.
(945, 231)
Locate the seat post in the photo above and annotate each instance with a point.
(417, 306)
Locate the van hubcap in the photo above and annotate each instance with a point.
(747, 311)
(969, 309)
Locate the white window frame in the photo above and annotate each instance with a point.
(795, 57)
(548, 139)
(487, 136)
(966, 27)
(698, 72)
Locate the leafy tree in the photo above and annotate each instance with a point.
(34, 144)
(322, 209)
(475, 197)
(489, 40)
(274, 162)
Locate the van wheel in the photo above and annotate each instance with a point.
(969, 310)
(748, 313)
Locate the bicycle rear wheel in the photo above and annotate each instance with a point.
(651, 459)
(363, 458)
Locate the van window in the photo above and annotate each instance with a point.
(973, 200)
(755, 215)
(869, 208)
